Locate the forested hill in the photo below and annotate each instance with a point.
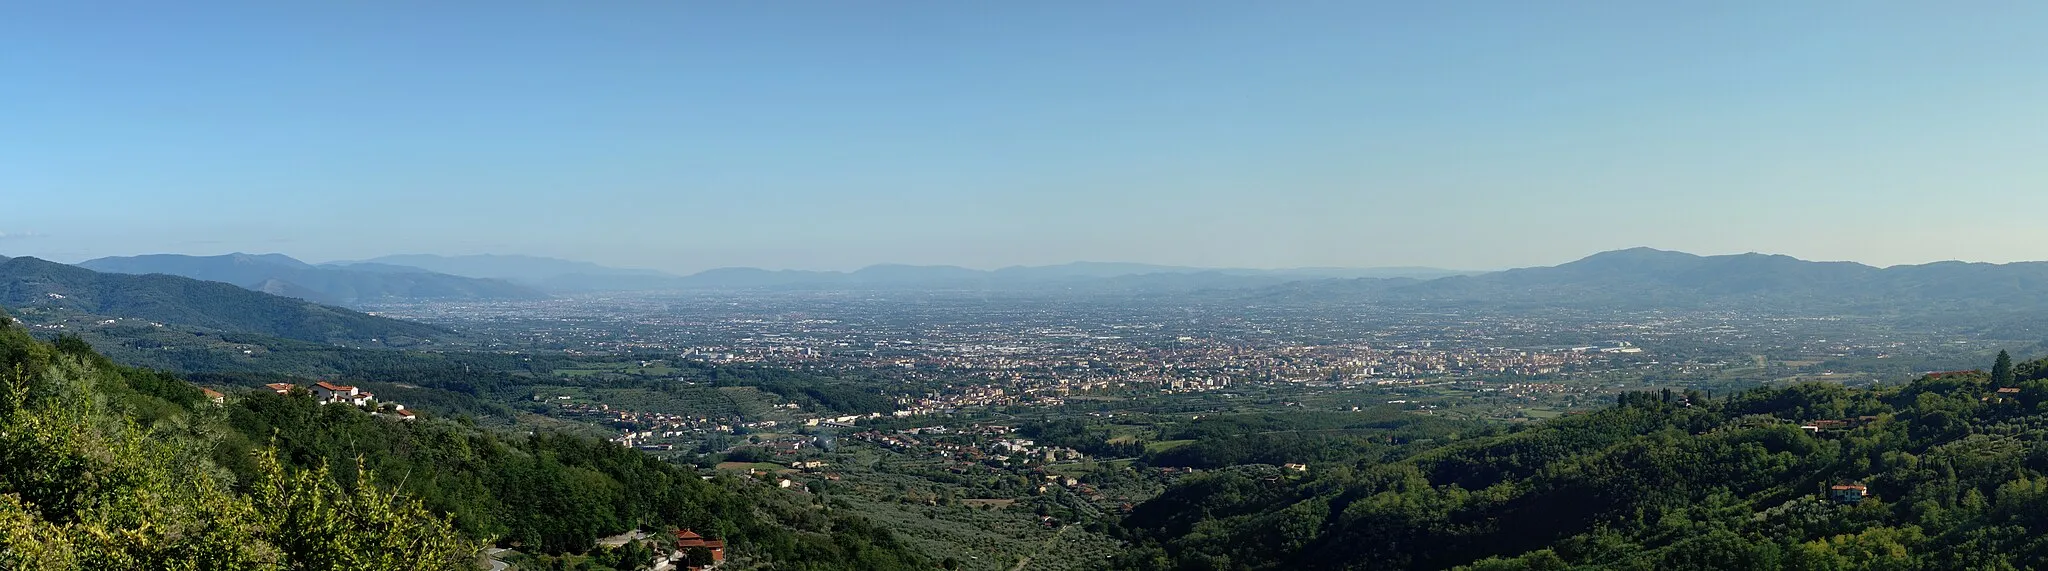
(109, 467)
(343, 285)
(1955, 466)
(40, 289)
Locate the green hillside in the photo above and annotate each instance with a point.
(1956, 471)
(111, 467)
(42, 291)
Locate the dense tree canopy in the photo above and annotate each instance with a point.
(1956, 473)
(109, 467)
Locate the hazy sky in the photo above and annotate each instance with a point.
(685, 134)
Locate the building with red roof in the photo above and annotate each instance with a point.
(687, 540)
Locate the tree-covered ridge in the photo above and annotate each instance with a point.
(37, 286)
(100, 470)
(556, 494)
(338, 285)
(1955, 465)
(109, 467)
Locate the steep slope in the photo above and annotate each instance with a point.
(43, 288)
(281, 275)
(107, 467)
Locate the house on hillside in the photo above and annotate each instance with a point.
(327, 392)
(687, 541)
(1848, 493)
(215, 396)
(2003, 395)
(280, 388)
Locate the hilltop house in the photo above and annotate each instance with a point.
(279, 388)
(327, 392)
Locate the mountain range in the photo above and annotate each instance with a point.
(552, 274)
(59, 294)
(279, 274)
(1644, 278)
(1634, 279)
(558, 275)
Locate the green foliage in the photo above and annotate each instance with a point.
(799, 387)
(28, 283)
(85, 487)
(106, 467)
(1958, 477)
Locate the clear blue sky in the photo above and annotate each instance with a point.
(691, 134)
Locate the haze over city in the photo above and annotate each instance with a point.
(682, 136)
(1060, 285)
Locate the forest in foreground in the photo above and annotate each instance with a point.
(110, 467)
(1947, 472)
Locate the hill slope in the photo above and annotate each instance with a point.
(1956, 475)
(42, 289)
(281, 275)
(111, 467)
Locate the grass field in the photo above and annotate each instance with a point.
(1165, 445)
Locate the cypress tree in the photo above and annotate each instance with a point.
(2001, 372)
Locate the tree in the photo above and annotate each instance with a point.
(2001, 371)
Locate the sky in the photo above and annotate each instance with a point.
(685, 134)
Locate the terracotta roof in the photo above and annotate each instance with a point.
(280, 387)
(332, 386)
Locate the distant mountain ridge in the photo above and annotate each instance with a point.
(554, 274)
(1076, 276)
(279, 274)
(35, 288)
(1650, 278)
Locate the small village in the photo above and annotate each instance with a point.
(327, 393)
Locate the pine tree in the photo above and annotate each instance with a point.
(2001, 372)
